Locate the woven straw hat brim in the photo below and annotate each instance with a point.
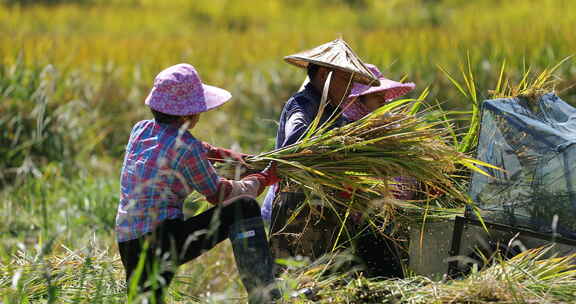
(335, 55)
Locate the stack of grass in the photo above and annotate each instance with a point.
(67, 276)
(530, 277)
(376, 157)
(94, 274)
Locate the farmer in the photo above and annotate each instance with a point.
(164, 163)
(379, 254)
(333, 66)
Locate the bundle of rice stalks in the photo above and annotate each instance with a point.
(375, 159)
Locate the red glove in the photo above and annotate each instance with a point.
(267, 177)
(345, 194)
(221, 154)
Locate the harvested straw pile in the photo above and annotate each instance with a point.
(366, 157)
(78, 276)
(530, 277)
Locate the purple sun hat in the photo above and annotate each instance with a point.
(389, 88)
(179, 91)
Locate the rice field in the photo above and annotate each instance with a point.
(74, 74)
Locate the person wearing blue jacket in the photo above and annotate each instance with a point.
(332, 68)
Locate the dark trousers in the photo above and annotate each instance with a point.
(176, 242)
(379, 255)
(299, 228)
(313, 234)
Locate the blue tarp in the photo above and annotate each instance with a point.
(533, 141)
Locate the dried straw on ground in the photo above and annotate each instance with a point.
(530, 277)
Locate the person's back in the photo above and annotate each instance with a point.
(163, 164)
(158, 175)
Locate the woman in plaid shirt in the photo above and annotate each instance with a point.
(163, 164)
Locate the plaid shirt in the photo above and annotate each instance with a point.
(162, 166)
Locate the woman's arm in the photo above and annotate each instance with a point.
(201, 176)
(221, 154)
(295, 127)
(251, 186)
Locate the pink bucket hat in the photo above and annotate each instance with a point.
(179, 91)
(389, 89)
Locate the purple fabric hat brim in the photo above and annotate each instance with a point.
(389, 88)
(213, 98)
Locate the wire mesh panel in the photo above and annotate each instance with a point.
(532, 140)
(475, 246)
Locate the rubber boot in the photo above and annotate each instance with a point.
(253, 260)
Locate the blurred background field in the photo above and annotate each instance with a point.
(74, 75)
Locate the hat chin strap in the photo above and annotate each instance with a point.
(304, 83)
(312, 128)
(348, 85)
(325, 90)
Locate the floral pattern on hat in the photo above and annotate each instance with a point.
(179, 91)
(354, 110)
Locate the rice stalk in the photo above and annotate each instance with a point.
(366, 157)
(470, 92)
(530, 87)
(530, 277)
(72, 275)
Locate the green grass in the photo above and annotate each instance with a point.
(58, 245)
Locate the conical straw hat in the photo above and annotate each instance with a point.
(338, 55)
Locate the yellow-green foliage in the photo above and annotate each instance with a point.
(122, 45)
(223, 36)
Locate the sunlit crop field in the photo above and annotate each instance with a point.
(74, 75)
